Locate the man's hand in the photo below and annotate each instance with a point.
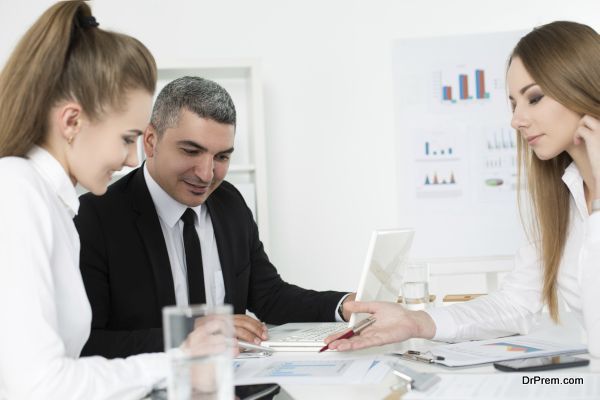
(393, 324)
(211, 335)
(347, 314)
(249, 329)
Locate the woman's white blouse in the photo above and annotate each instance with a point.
(45, 314)
(512, 308)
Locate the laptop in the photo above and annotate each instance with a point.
(380, 280)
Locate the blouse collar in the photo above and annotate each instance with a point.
(55, 176)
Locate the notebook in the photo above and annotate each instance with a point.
(379, 280)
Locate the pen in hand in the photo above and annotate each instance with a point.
(353, 331)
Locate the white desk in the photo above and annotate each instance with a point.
(381, 390)
(572, 333)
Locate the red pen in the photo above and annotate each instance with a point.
(353, 331)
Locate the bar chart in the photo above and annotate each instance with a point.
(498, 162)
(456, 153)
(429, 151)
(464, 89)
(439, 163)
(437, 145)
(501, 139)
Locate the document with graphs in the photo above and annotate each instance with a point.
(493, 350)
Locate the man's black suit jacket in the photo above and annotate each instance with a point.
(127, 274)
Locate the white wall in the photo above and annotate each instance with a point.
(328, 99)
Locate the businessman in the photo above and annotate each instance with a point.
(175, 232)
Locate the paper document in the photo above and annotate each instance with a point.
(512, 386)
(303, 371)
(492, 350)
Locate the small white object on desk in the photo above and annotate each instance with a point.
(250, 346)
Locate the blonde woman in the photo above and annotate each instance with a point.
(73, 100)
(554, 88)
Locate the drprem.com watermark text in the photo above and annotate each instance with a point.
(540, 380)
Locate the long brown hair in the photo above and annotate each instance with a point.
(563, 58)
(64, 56)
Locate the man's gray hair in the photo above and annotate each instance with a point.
(204, 98)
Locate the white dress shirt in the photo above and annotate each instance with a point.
(169, 213)
(514, 307)
(46, 316)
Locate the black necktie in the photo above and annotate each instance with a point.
(193, 259)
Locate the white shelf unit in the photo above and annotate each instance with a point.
(241, 78)
(455, 275)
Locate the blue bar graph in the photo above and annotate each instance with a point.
(464, 92)
(429, 151)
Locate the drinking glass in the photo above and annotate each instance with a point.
(415, 286)
(199, 344)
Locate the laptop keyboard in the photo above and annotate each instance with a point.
(316, 334)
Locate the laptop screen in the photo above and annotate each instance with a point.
(385, 263)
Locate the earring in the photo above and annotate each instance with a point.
(70, 139)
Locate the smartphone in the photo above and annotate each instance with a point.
(265, 391)
(541, 363)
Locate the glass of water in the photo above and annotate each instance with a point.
(415, 286)
(199, 344)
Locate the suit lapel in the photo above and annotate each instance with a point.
(224, 246)
(151, 233)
